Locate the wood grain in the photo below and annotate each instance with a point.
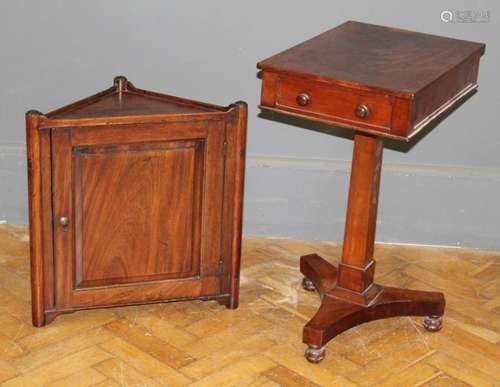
(136, 197)
(406, 79)
(379, 82)
(183, 343)
(152, 234)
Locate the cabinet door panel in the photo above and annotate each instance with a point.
(137, 211)
(145, 199)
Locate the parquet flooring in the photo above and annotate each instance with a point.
(203, 344)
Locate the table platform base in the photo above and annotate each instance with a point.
(339, 311)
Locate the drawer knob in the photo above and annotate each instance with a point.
(303, 99)
(64, 221)
(361, 111)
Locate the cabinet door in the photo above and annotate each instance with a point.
(137, 211)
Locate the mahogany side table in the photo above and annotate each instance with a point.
(135, 197)
(383, 83)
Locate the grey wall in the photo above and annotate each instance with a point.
(442, 191)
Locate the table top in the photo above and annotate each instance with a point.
(394, 60)
(381, 80)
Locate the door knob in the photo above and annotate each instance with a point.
(64, 221)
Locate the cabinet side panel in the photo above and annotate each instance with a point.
(35, 218)
(233, 201)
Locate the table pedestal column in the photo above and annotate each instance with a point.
(349, 295)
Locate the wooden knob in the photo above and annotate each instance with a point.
(361, 111)
(120, 83)
(303, 99)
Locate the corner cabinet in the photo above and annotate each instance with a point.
(135, 197)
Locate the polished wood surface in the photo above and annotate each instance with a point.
(36, 214)
(349, 295)
(202, 344)
(128, 213)
(124, 99)
(404, 78)
(344, 106)
(380, 82)
(355, 274)
(380, 57)
(128, 103)
(158, 175)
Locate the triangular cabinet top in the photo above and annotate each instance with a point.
(124, 103)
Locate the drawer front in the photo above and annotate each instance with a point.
(343, 105)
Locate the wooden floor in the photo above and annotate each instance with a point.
(202, 343)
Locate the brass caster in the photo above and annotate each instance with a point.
(308, 285)
(433, 323)
(314, 354)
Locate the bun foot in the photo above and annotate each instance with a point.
(433, 323)
(308, 285)
(315, 354)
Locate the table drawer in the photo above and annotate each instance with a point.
(335, 103)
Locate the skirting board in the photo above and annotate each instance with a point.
(306, 199)
(419, 204)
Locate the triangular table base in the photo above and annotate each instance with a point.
(337, 315)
